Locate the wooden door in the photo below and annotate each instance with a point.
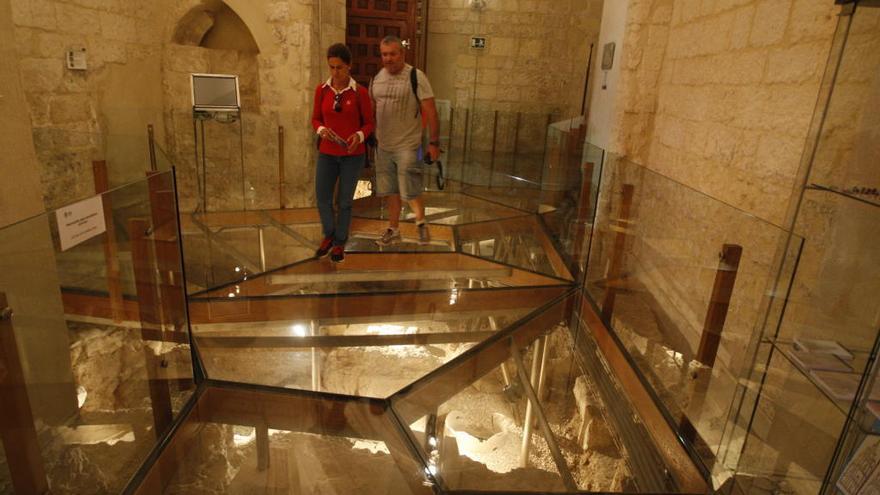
(368, 21)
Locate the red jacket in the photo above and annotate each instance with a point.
(356, 115)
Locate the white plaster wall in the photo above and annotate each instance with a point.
(601, 110)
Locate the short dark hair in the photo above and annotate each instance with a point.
(393, 39)
(340, 51)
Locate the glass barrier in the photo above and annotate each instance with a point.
(683, 280)
(247, 189)
(95, 347)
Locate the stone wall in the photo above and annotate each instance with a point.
(20, 195)
(715, 101)
(535, 59)
(137, 63)
(717, 98)
(531, 73)
(838, 274)
(70, 120)
(719, 95)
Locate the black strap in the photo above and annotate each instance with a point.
(414, 83)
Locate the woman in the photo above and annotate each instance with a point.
(342, 118)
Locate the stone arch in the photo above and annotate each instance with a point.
(253, 14)
(196, 16)
(213, 24)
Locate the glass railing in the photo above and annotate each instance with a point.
(235, 181)
(95, 356)
(689, 285)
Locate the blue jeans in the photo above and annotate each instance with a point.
(347, 169)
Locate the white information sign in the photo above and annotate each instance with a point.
(80, 221)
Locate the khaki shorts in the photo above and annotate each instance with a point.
(398, 172)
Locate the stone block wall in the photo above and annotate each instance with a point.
(68, 115)
(20, 192)
(846, 156)
(531, 73)
(717, 97)
(535, 59)
(838, 275)
(138, 74)
(719, 94)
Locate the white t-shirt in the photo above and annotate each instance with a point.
(398, 122)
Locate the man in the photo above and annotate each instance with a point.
(399, 115)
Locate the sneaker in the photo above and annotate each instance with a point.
(324, 248)
(424, 235)
(389, 236)
(337, 254)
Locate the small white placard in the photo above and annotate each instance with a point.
(80, 221)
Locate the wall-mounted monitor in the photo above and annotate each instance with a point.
(215, 93)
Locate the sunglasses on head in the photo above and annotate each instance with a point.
(337, 102)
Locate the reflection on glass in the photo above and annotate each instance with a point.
(789, 406)
(667, 264)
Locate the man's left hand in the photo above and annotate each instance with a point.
(434, 152)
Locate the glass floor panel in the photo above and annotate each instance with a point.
(369, 354)
(443, 208)
(382, 272)
(508, 419)
(521, 242)
(515, 412)
(244, 442)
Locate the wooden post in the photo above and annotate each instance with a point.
(111, 251)
(151, 140)
(149, 312)
(494, 139)
(465, 154)
(451, 141)
(617, 253)
(281, 166)
(16, 419)
(719, 303)
(263, 458)
(545, 160)
(516, 142)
